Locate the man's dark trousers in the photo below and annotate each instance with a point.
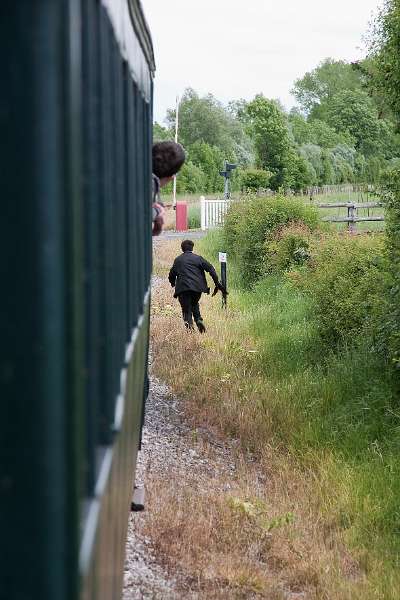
(189, 302)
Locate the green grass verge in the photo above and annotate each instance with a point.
(334, 411)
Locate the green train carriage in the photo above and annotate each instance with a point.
(76, 122)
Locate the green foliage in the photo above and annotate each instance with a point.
(316, 132)
(288, 248)
(344, 134)
(269, 130)
(343, 162)
(325, 136)
(353, 113)
(313, 157)
(252, 223)
(254, 179)
(300, 174)
(385, 55)
(318, 86)
(299, 127)
(194, 219)
(191, 179)
(344, 280)
(161, 134)
(334, 410)
(210, 160)
(205, 119)
(391, 196)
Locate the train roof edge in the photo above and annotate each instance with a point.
(142, 31)
(133, 36)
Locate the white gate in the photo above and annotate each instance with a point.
(212, 212)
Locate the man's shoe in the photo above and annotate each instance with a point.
(201, 326)
(189, 326)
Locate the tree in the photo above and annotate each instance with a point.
(237, 108)
(316, 132)
(268, 128)
(321, 161)
(299, 128)
(254, 179)
(302, 173)
(385, 55)
(330, 77)
(191, 179)
(161, 134)
(322, 134)
(205, 119)
(354, 113)
(210, 159)
(343, 161)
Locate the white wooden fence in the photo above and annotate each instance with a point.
(212, 212)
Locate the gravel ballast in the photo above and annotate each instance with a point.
(171, 450)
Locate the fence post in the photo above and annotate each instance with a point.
(351, 213)
(203, 213)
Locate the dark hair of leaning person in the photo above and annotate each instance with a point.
(168, 157)
(187, 245)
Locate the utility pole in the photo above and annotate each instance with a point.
(176, 140)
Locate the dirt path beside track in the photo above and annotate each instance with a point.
(173, 454)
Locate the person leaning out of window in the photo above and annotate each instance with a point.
(168, 158)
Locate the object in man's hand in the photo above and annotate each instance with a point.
(220, 288)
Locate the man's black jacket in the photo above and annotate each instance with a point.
(188, 273)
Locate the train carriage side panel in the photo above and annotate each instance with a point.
(76, 259)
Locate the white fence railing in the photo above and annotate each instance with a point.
(212, 212)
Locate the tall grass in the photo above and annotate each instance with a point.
(333, 411)
(194, 219)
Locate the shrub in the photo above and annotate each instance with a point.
(288, 248)
(391, 196)
(345, 282)
(250, 224)
(254, 179)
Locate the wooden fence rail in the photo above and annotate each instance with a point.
(352, 218)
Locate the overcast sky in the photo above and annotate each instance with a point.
(236, 49)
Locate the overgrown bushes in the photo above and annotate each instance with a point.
(250, 224)
(289, 247)
(344, 278)
(391, 194)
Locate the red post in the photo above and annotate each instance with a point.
(181, 216)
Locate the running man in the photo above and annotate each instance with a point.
(188, 277)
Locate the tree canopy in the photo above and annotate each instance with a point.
(321, 84)
(206, 119)
(344, 129)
